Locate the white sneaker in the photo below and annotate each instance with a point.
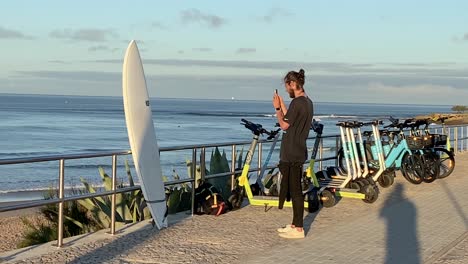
(284, 229)
(293, 233)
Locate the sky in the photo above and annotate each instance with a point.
(413, 52)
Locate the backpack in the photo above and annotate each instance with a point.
(208, 200)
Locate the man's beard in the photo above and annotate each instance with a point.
(292, 95)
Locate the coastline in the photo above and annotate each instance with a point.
(21, 196)
(17, 213)
(453, 119)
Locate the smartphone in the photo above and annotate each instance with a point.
(276, 91)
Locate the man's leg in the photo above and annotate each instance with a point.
(296, 229)
(285, 170)
(296, 195)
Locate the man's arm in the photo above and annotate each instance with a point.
(280, 115)
(281, 111)
(284, 109)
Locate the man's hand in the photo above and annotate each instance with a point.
(277, 101)
(283, 106)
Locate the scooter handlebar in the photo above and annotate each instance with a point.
(272, 133)
(258, 129)
(373, 123)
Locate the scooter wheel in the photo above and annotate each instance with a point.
(313, 202)
(327, 198)
(354, 185)
(236, 199)
(387, 178)
(361, 182)
(371, 192)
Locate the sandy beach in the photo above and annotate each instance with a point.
(13, 228)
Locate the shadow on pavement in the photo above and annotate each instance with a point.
(401, 233)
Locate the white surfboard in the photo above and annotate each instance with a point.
(141, 135)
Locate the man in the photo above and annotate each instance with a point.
(295, 121)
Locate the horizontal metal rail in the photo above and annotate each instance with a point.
(85, 155)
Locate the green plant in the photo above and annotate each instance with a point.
(459, 108)
(220, 164)
(130, 207)
(76, 222)
(178, 196)
(34, 235)
(87, 215)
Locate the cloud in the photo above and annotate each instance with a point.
(404, 69)
(73, 75)
(274, 14)
(202, 49)
(196, 16)
(460, 39)
(98, 48)
(421, 93)
(246, 50)
(159, 25)
(58, 61)
(410, 90)
(91, 35)
(372, 88)
(12, 34)
(276, 65)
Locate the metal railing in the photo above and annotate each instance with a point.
(458, 136)
(456, 131)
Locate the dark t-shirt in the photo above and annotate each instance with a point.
(299, 118)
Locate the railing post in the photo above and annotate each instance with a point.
(203, 163)
(260, 151)
(194, 175)
(337, 146)
(61, 196)
(233, 167)
(461, 139)
(320, 154)
(448, 136)
(113, 201)
(455, 138)
(466, 140)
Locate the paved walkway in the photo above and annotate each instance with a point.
(425, 223)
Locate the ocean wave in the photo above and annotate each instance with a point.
(92, 166)
(228, 114)
(335, 116)
(46, 189)
(25, 154)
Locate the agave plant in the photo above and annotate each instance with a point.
(179, 196)
(220, 164)
(87, 215)
(130, 207)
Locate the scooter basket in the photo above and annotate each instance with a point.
(439, 140)
(415, 143)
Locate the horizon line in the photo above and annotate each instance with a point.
(209, 99)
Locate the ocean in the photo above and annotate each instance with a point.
(41, 125)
